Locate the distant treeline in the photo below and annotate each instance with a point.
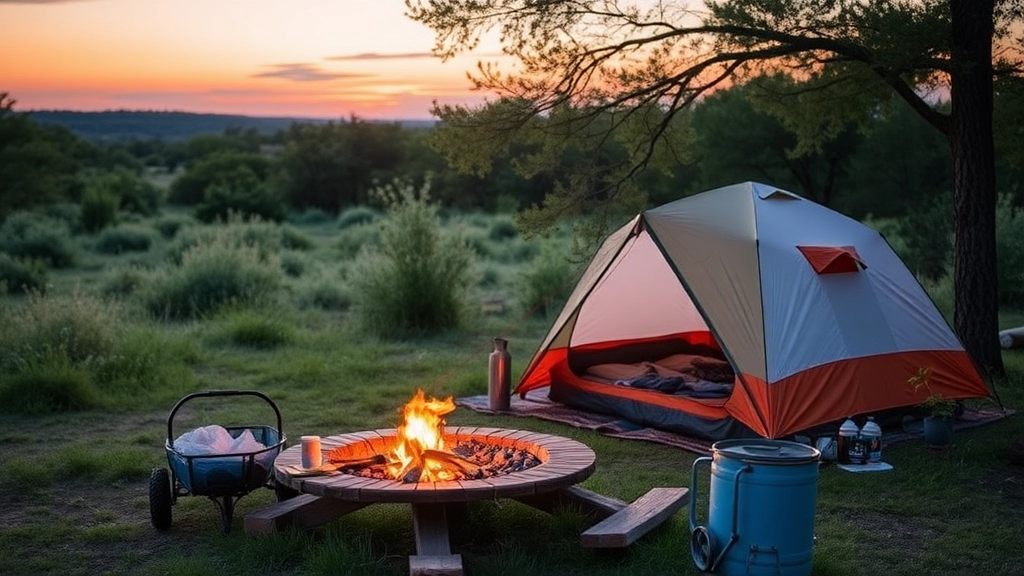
(122, 125)
(891, 166)
(893, 170)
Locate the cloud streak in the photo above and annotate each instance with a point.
(371, 56)
(302, 72)
(41, 1)
(378, 56)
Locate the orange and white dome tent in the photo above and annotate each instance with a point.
(817, 316)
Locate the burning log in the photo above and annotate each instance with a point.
(338, 463)
(471, 471)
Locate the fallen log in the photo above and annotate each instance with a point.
(1012, 338)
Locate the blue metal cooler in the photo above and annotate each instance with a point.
(761, 510)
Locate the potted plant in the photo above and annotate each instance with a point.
(939, 411)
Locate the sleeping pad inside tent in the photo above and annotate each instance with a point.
(747, 311)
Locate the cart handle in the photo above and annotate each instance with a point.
(209, 393)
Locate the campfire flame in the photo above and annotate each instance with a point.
(422, 429)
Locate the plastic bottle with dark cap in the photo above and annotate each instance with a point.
(872, 435)
(846, 441)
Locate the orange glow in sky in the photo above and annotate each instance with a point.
(298, 58)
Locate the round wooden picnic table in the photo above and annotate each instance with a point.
(564, 463)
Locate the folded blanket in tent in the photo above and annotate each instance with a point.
(683, 385)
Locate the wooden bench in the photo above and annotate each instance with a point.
(630, 523)
(302, 511)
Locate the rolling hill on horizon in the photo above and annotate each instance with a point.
(127, 125)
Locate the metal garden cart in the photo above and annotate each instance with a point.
(223, 478)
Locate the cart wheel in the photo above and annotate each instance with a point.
(160, 498)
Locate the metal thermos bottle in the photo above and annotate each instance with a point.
(499, 382)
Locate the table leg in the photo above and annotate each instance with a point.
(433, 552)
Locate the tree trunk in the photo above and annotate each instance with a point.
(976, 314)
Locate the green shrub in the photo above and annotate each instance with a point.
(99, 207)
(190, 188)
(293, 264)
(311, 216)
(123, 282)
(941, 292)
(22, 275)
(255, 329)
(325, 294)
(292, 239)
(138, 195)
(241, 192)
(213, 275)
(69, 213)
(490, 277)
(37, 237)
(61, 353)
(416, 282)
(358, 215)
(78, 325)
(889, 228)
(503, 228)
(928, 235)
(266, 237)
(169, 226)
(46, 384)
(1010, 252)
(124, 238)
(352, 239)
(544, 286)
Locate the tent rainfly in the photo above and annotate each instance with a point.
(811, 316)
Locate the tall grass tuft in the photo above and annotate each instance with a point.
(123, 281)
(169, 226)
(99, 206)
(78, 326)
(358, 215)
(266, 237)
(31, 235)
(324, 293)
(416, 281)
(212, 275)
(124, 238)
(545, 285)
(21, 275)
(48, 348)
(255, 329)
(47, 383)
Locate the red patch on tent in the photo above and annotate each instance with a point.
(832, 259)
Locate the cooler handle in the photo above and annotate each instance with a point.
(693, 490)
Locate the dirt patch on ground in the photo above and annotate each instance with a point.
(54, 524)
(889, 531)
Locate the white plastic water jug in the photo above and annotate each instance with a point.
(872, 435)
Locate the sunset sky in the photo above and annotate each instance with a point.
(303, 58)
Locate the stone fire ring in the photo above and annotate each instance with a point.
(564, 462)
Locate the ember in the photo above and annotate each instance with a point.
(418, 453)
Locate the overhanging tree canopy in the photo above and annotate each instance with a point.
(643, 62)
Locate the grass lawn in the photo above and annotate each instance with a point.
(74, 483)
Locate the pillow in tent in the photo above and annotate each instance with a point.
(713, 370)
(679, 362)
(618, 372)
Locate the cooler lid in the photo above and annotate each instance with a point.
(764, 451)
